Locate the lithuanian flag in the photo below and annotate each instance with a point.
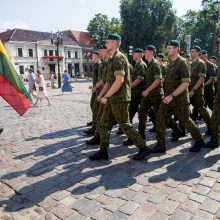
(12, 89)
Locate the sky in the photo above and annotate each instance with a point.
(53, 15)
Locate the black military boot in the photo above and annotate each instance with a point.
(142, 153)
(197, 146)
(1, 130)
(213, 143)
(89, 123)
(143, 135)
(119, 132)
(152, 130)
(159, 148)
(95, 140)
(128, 142)
(102, 154)
(90, 131)
(176, 135)
(208, 132)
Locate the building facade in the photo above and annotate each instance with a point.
(33, 49)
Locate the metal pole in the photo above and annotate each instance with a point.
(58, 62)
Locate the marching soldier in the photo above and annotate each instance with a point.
(176, 100)
(215, 119)
(93, 102)
(116, 102)
(153, 94)
(137, 85)
(196, 91)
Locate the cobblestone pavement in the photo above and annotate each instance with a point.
(45, 173)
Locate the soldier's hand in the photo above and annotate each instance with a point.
(104, 101)
(167, 99)
(99, 98)
(191, 94)
(90, 87)
(145, 93)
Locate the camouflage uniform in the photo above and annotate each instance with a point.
(209, 90)
(138, 73)
(154, 98)
(178, 71)
(93, 103)
(117, 107)
(198, 69)
(101, 106)
(215, 120)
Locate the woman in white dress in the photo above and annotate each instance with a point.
(42, 93)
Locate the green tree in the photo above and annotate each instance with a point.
(200, 28)
(100, 26)
(147, 22)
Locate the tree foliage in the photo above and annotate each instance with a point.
(147, 22)
(100, 26)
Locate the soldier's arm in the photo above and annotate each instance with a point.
(198, 83)
(119, 80)
(212, 75)
(103, 92)
(98, 85)
(136, 83)
(154, 85)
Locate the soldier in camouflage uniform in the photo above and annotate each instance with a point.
(209, 80)
(153, 94)
(100, 85)
(93, 102)
(215, 119)
(196, 91)
(176, 100)
(116, 102)
(137, 86)
(213, 60)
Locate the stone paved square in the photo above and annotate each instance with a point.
(46, 174)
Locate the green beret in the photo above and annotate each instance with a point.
(150, 47)
(196, 48)
(102, 47)
(95, 52)
(160, 55)
(138, 50)
(114, 37)
(174, 43)
(203, 52)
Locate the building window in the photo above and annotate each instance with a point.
(21, 69)
(30, 52)
(43, 68)
(51, 54)
(56, 52)
(45, 53)
(76, 54)
(69, 54)
(20, 52)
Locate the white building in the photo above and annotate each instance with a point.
(33, 49)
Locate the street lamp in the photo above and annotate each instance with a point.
(57, 40)
(214, 8)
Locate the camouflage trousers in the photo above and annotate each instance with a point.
(134, 107)
(198, 103)
(215, 120)
(209, 98)
(182, 112)
(98, 118)
(95, 109)
(145, 106)
(120, 112)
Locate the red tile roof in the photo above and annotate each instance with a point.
(33, 36)
(84, 39)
